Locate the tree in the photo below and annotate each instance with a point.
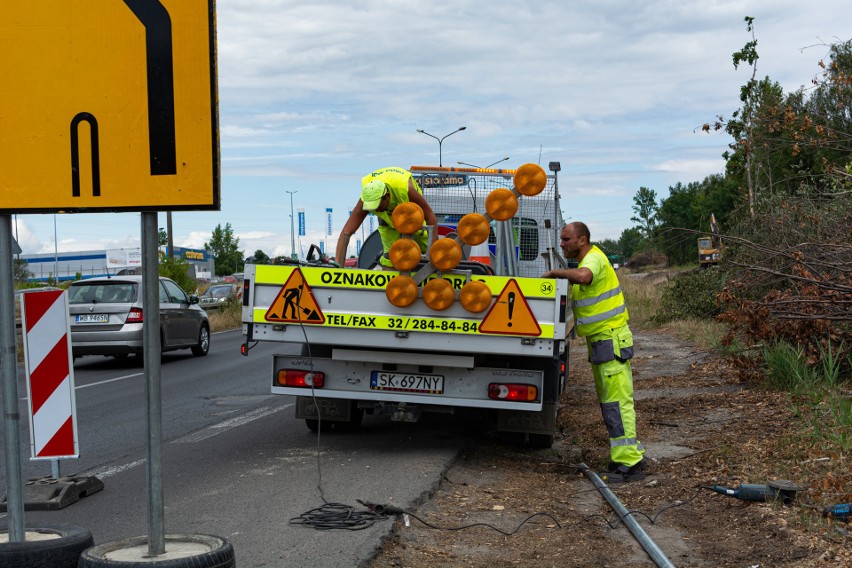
(21, 270)
(162, 237)
(178, 270)
(260, 257)
(225, 248)
(646, 209)
(630, 242)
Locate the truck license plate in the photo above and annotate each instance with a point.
(407, 382)
(92, 318)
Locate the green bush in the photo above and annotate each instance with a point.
(178, 270)
(691, 295)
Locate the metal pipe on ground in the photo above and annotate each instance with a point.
(657, 555)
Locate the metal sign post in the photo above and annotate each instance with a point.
(9, 368)
(153, 392)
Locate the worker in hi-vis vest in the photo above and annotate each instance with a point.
(600, 315)
(381, 192)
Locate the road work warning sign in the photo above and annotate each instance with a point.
(510, 314)
(295, 303)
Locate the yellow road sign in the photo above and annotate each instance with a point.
(108, 105)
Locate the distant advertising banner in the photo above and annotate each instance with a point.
(358, 247)
(301, 222)
(122, 258)
(371, 216)
(328, 215)
(322, 247)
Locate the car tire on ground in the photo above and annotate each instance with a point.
(61, 551)
(203, 346)
(183, 551)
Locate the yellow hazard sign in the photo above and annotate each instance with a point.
(108, 106)
(295, 303)
(510, 314)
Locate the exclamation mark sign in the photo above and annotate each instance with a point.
(511, 299)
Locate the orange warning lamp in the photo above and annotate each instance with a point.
(530, 179)
(404, 254)
(445, 254)
(407, 218)
(473, 229)
(501, 204)
(401, 291)
(438, 294)
(475, 296)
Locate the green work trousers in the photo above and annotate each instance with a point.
(610, 353)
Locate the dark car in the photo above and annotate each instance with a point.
(219, 296)
(107, 316)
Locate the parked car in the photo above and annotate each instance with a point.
(107, 315)
(219, 296)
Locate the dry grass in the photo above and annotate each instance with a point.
(227, 318)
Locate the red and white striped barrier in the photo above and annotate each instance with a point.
(50, 374)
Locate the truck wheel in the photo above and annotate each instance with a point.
(354, 423)
(61, 551)
(541, 440)
(195, 551)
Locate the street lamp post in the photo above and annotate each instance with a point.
(292, 228)
(441, 140)
(486, 167)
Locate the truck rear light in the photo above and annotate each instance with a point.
(246, 285)
(512, 391)
(299, 378)
(135, 316)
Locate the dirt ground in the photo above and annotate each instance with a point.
(699, 425)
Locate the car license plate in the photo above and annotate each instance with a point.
(407, 382)
(92, 318)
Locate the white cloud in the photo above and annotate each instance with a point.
(313, 95)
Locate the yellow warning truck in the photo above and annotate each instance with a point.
(434, 335)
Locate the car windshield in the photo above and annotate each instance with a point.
(218, 292)
(102, 292)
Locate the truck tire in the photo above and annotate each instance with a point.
(354, 422)
(208, 551)
(541, 440)
(60, 552)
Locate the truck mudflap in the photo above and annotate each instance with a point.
(542, 422)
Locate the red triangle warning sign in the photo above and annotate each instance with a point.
(295, 303)
(510, 314)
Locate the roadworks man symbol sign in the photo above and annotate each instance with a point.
(510, 314)
(295, 303)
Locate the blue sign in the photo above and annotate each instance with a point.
(301, 222)
(322, 247)
(328, 214)
(358, 247)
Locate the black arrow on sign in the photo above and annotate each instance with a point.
(161, 87)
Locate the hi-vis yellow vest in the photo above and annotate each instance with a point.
(599, 306)
(397, 180)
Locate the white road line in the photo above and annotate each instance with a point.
(109, 381)
(104, 472)
(103, 382)
(226, 425)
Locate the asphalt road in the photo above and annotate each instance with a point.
(236, 462)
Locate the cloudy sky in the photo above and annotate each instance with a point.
(313, 95)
